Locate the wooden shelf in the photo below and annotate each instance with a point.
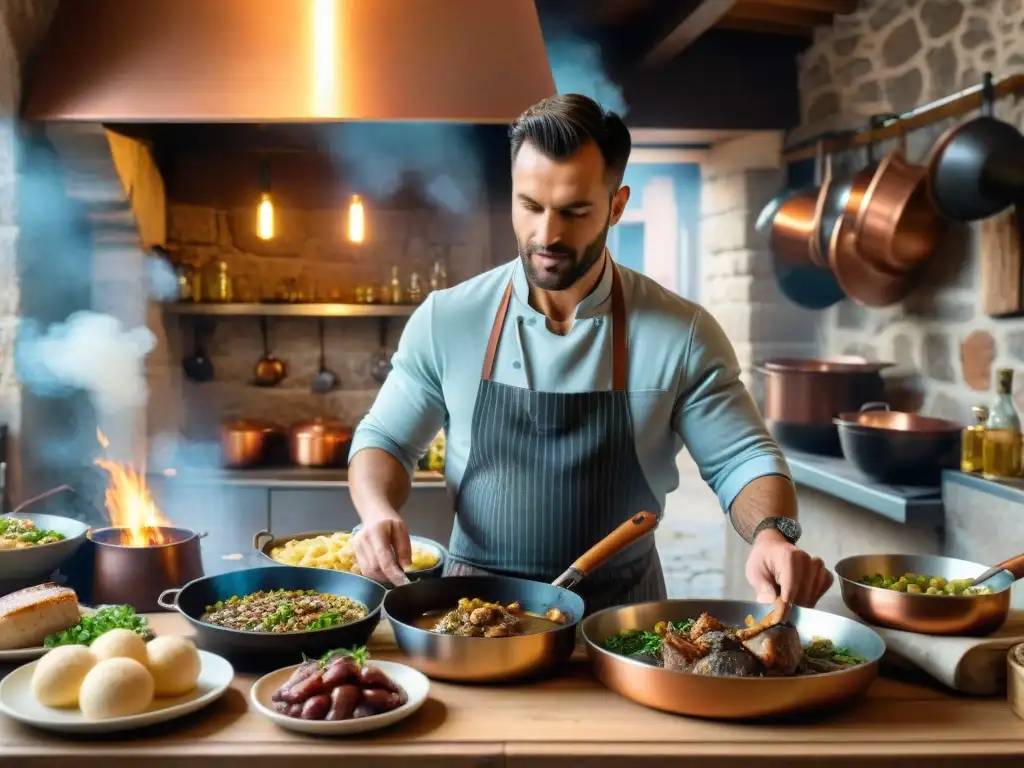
(260, 309)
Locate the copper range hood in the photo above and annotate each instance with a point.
(266, 61)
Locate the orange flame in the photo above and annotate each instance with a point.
(130, 505)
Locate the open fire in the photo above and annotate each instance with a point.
(130, 504)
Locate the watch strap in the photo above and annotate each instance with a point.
(787, 526)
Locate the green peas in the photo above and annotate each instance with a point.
(914, 589)
(923, 584)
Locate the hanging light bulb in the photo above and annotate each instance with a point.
(265, 211)
(356, 220)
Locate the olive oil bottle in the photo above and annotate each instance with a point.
(972, 441)
(1001, 452)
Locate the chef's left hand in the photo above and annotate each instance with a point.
(776, 568)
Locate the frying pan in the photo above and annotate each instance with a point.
(730, 698)
(977, 168)
(976, 615)
(498, 659)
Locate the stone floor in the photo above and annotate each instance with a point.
(691, 537)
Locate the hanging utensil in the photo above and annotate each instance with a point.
(792, 231)
(269, 370)
(897, 227)
(325, 380)
(197, 366)
(380, 361)
(976, 169)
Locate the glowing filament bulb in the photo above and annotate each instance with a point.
(265, 218)
(356, 220)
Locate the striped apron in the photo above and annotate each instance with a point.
(551, 474)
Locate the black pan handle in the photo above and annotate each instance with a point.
(988, 96)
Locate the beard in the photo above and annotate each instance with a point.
(569, 265)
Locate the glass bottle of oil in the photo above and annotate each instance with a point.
(972, 441)
(396, 286)
(1001, 452)
(415, 291)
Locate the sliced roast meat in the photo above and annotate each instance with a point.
(706, 623)
(778, 649)
(678, 653)
(728, 664)
(717, 640)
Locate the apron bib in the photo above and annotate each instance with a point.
(549, 475)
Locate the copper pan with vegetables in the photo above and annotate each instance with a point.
(731, 660)
(929, 594)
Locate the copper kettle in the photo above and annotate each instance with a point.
(319, 443)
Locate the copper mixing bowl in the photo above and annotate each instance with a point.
(976, 615)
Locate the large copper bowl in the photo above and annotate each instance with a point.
(977, 615)
(730, 698)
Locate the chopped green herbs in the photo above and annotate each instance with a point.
(99, 623)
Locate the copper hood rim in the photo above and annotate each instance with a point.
(290, 61)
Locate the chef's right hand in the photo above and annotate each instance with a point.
(382, 549)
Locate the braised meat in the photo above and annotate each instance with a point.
(728, 664)
(778, 649)
(677, 652)
(476, 618)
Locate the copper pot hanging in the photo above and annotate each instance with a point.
(792, 217)
(897, 227)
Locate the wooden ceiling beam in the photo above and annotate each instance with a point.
(766, 27)
(705, 15)
(774, 14)
(835, 7)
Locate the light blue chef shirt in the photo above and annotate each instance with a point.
(683, 379)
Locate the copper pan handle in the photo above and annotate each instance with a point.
(262, 538)
(634, 528)
(1014, 565)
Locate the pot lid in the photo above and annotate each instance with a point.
(839, 364)
(252, 425)
(223, 61)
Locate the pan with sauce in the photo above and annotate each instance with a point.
(474, 617)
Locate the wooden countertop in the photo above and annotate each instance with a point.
(569, 720)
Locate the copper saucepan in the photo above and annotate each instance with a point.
(897, 227)
(250, 442)
(319, 443)
(498, 659)
(975, 615)
(792, 219)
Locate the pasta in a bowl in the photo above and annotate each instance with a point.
(335, 552)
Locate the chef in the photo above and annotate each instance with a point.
(566, 386)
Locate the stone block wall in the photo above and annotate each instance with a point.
(738, 287)
(892, 55)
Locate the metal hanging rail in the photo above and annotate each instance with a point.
(957, 105)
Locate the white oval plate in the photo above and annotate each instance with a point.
(412, 681)
(17, 702)
(15, 655)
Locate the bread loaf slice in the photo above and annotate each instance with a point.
(29, 615)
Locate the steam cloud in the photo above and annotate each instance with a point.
(89, 351)
(577, 68)
(440, 161)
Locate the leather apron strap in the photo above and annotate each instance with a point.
(619, 332)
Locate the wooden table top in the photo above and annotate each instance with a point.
(571, 719)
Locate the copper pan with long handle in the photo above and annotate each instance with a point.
(464, 659)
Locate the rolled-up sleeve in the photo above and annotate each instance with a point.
(717, 418)
(409, 409)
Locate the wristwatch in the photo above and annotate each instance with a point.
(787, 526)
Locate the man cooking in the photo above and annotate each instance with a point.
(566, 386)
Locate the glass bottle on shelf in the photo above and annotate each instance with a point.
(972, 441)
(1001, 451)
(395, 286)
(438, 276)
(217, 282)
(415, 291)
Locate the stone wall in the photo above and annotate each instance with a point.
(211, 218)
(892, 55)
(738, 286)
(23, 24)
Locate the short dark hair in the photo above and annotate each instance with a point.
(559, 126)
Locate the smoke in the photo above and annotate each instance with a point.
(577, 67)
(437, 162)
(89, 351)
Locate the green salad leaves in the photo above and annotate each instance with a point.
(102, 621)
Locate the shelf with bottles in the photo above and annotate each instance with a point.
(215, 292)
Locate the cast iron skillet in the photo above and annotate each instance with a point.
(496, 659)
(267, 650)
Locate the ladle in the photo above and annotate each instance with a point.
(197, 366)
(380, 361)
(269, 370)
(1014, 567)
(325, 380)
